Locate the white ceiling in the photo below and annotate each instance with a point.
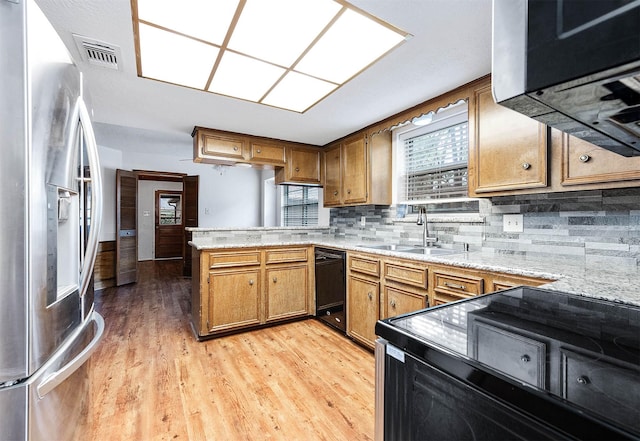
(451, 45)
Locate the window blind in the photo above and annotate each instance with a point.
(435, 164)
(299, 205)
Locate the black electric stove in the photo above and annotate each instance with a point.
(523, 363)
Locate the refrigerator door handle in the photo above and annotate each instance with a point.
(56, 378)
(96, 195)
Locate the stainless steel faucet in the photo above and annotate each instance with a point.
(422, 220)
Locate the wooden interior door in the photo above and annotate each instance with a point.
(168, 224)
(190, 216)
(126, 227)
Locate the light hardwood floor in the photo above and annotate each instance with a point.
(151, 380)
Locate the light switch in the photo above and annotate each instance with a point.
(513, 223)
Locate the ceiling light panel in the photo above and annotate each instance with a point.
(353, 42)
(298, 92)
(203, 19)
(243, 77)
(283, 53)
(165, 54)
(279, 31)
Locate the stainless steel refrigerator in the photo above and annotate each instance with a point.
(50, 218)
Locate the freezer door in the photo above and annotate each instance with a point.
(59, 397)
(54, 403)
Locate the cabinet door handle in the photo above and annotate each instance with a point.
(582, 379)
(455, 286)
(335, 193)
(525, 358)
(275, 280)
(258, 151)
(297, 169)
(584, 158)
(526, 165)
(235, 148)
(348, 191)
(251, 282)
(370, 296)
(393, 303)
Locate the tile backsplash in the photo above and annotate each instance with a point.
(592, 226)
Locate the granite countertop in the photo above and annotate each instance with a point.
(575, 277)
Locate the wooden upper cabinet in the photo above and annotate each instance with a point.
(267, 153)
(585, 163)
(294, 162)
(219, 146)
(354, 171)
(303, 166)
(509, 150)
(332, 179)
(357, 170)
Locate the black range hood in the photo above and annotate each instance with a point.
(573, 65)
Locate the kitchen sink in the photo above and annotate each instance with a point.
(413, 249)
(388, 247)
(431, 251)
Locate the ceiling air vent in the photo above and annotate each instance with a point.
(98, 53)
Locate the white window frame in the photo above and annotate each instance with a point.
(453, 114)
(283, 206)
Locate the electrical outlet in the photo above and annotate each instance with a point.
(363, 221)
(513, 223)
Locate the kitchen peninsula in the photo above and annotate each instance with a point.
(250, 251)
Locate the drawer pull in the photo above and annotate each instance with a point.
(455, 286)
(251, 282)
(526, 165)
(297, 169)
(582, 379)
(584, 158)
(335, 193)
(393, 304)
(258, 151)
(275, 280)
(525, 358)
(235, 148)
(370, 296)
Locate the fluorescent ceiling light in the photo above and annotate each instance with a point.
(165, 54)
(297, 92)
(243, 77)
(202, 19)
(267, 31)
(284, 53)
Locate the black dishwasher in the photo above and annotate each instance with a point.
(330, 287)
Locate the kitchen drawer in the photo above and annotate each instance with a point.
(519, 357)
(272, 154)
(455, 287)
(286, 255)
(606, 388)
(234, 258)
(365, 265)
(408, 275)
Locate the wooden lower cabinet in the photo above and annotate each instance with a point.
(287, 292)
(234, 299)
(246, 288)
(363, 309)
(399, 301)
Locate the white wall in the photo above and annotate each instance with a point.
(147, 215)
(228, 196)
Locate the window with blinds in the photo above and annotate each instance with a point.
(431, 160)
(299, 205)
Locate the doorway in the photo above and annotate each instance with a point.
(168, 224)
